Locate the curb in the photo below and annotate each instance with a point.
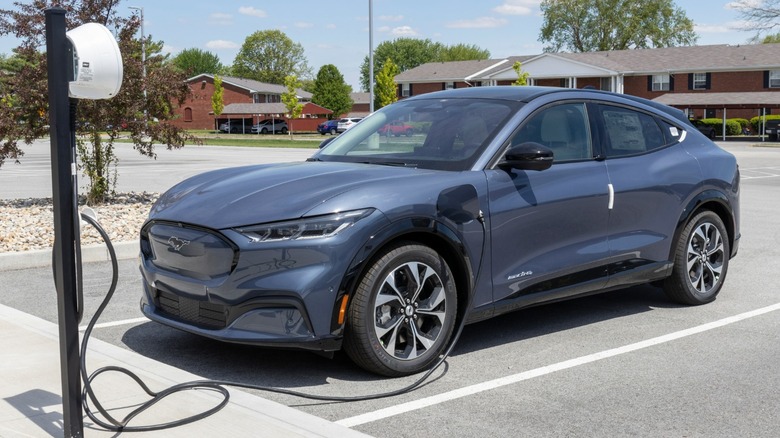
(43, 257)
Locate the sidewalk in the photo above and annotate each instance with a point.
(31, 404)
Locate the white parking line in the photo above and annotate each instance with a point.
(760, 172)
(116, 323)
(538, 372)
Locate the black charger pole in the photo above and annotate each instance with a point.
(59, 57)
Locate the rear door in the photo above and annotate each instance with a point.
(651, 176)
(549, 228)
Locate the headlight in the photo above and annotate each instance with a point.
(306, 228)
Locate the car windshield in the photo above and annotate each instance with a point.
(445, 134)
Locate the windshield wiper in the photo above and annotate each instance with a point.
(391, 163)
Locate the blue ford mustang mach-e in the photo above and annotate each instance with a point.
(503, 198)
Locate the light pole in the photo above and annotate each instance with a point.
(143, 56)
(371, 55)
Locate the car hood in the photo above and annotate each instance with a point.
(266, 193)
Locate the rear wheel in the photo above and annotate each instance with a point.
(402, 313)
(332, 131)
(701, 261)
(284, 130)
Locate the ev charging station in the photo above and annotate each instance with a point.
(84, 63)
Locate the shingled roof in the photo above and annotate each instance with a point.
(688, 59)
(722, 57)
(447, 71)
(253, 86)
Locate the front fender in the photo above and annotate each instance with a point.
(458, 250)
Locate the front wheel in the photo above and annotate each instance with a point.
(701, 261)
(402, 313)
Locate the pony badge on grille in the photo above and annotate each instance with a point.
(176, 243)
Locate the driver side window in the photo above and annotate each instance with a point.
(563, 128)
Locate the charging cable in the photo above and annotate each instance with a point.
(111, 423)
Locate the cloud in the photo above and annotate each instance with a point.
(400, 31)
(478, 23)
(252, 12)
(304, 25)
(221, 18)
(724, 27)
(221, 45)
(330, 26)
(517, 7)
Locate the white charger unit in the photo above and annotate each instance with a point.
(97, 62)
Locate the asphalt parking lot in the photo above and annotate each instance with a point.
(625, 363)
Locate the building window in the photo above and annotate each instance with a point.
(188, 114)
(660, 83)
(710, 113)
(449, 85)
(699, 81)
(565, 83)
(404, 90)
(605, 84)
(273, 98)
(774, 79)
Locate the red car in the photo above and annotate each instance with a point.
(396, 129)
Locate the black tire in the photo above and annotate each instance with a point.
(284, 130)
(701, 261)
(333, 131)
(264, 131)
(409, 132)
(234, 130)
(398, 325)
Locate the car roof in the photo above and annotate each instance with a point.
(529, 93)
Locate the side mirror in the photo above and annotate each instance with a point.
(528, 156)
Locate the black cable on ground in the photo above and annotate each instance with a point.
(120, 425)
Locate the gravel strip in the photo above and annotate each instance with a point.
(28, 224)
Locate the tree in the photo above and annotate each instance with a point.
(771, 39)
(98, 121)
(330, 90)
(601, 25)
(270, 56)
(759, 16)
(408, 53)
(385, 91)
(462, 52)
(290, 100)
(193, 62)
(217, 98)
(522, 76)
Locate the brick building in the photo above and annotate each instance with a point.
(705, 81)
(246, 102)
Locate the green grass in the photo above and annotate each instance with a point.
(210, 138)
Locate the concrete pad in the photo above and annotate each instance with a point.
(31, 402)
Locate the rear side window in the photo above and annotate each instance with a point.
(630, 132)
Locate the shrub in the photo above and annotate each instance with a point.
(754, 122)
(732, 126)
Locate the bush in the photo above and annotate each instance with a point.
(743, 123)
(754, 122)
(733, 127)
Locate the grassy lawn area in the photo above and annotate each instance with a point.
(212, 138)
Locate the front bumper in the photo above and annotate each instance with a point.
(223, 286)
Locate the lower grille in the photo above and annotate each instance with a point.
(201, 313)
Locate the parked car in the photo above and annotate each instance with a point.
(270, 125)
(329, 127)
(347, 123)
(235, 127)
(707, 130)
(383, 249)
(396, 129)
